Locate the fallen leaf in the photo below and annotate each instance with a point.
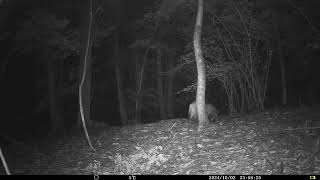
(200, 146)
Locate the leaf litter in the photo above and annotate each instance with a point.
(270, 142)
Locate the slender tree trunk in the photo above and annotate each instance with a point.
(87, 84)
(277, 37)
(140, 75)
(160, 87)
(170, 90)
(86, 73)
(139, 87)
(243, 94)
(201, 88)
(60, 95)
(283, 76)
(4, 163)
(121, 100)
(86, 91)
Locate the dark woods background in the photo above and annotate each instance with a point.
(272, 45)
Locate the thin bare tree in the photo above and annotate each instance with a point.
(83, 78)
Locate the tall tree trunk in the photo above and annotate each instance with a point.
(283, 76)
(121, 100)
(201, 88)
(277, 38)
(139, 87)
(170, 89)
(60, 94)
(140, 75)
(86, 72)
(86, 61)
(86, 91)
(160, 87)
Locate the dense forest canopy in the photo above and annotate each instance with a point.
(141, 65)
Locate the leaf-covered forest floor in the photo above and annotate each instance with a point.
(270, 142)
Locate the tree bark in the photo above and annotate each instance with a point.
(201, 86)
(283, 76)
(277, 30)
(86, 91)
(87, 84)
(86, 76)
(121, 100)
(60, 94)
(139, 87)
(160, 87)
(170, 90)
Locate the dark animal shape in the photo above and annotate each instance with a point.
(211, 111)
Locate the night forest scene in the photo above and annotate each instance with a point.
(160, 87)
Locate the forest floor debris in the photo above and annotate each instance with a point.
(271, 142)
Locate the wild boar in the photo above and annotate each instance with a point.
(211, 111)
